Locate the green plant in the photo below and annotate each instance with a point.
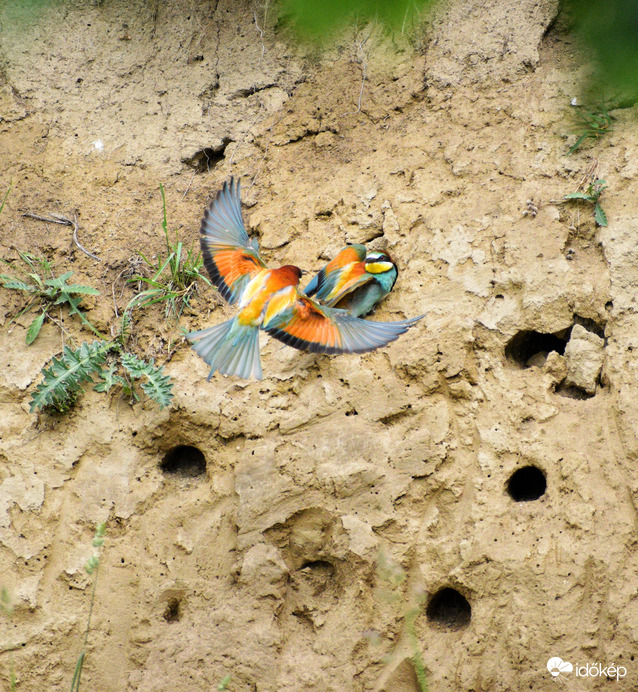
(44, 294)
(592, 195)
(108, 361)
(409, 620)
(91, 567)
(111, 364)
(4, 199)
(7, 609)
(224, 682)
(593, 125)
(393, 580)
(173, 280)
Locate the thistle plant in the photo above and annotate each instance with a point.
(63, 380)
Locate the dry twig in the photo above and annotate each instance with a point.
(63, 221)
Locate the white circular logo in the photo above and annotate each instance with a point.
(556, 666)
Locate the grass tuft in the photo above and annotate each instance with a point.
(174, 277)
(593, 124)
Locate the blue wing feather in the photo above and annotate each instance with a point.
(222, 223)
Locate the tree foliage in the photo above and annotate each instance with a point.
(312, 20)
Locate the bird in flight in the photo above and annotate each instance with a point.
(355, 280)
(269, 299)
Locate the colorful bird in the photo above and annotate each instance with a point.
(269, 299)
(355, 280)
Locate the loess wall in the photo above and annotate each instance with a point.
(338, 494)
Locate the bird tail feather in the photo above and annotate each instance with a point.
(229, 352)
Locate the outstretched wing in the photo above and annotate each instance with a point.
(304, 324)
(324, 283)
(229, 256)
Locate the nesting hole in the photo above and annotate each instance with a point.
(527, 484)
(450, 609)
(185, 461)
(528, 347)
(172, 613)
(322, 567)
(207, 158)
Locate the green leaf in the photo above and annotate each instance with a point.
(77, 288)
(37, 279)
(159, 387)
(579, 195)
(4, 199)
(63, 379)
(578, 142)
(109, 379)
(92, 564)
(136, 366)
(77, 674)
(599, 215)
(34, 328)
(15, 284)
(58, 281)
(223, 683)
(150, 264)
(32, 260)
(73, 304)
(160, 270)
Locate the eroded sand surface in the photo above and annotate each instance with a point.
(266, 566)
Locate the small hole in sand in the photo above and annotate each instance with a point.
(172, 612)
(449, 609)
(527, 484)
(184, 460)
(321, 566)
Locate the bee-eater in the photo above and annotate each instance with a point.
(269, 299)
(355, 280)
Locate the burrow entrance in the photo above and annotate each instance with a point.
(185, 461)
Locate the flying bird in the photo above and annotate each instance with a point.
(269, 299)
(355, 280)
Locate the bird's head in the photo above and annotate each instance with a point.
(290, 274)
(378, 262)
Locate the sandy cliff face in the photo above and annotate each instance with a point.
(338, 494)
